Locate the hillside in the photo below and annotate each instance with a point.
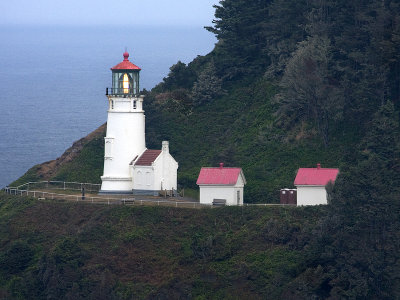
(71, 251)
(59, 250)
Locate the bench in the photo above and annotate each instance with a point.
(219, 202)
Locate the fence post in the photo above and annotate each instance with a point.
(64, 185)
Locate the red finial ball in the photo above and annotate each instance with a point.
(126, 55)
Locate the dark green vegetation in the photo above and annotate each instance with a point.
(349, 249)
(289, 84)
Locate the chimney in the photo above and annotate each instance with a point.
(221, 165)
(165, 147)
(318, 166)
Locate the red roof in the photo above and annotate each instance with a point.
(125, 64)
(148, 157)
(315, 176)
(221, 175)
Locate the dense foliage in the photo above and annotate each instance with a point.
(289, 84)
(59, 250)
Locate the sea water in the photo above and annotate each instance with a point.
(53, 81)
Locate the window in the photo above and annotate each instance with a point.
(134, 104)
(238, 197)
(108, 147)
(124, 84)
(112, 104)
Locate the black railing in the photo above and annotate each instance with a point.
(121, 92)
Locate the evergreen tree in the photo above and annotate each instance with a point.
(357, 244)
(309, 92)
(207, 87)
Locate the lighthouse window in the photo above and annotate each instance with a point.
(108, 147)
(125, 84)
(112, 104)
(134, 104)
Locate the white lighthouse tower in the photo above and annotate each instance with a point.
(125, 137)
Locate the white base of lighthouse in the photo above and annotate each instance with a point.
(124, 142)
(116, 185)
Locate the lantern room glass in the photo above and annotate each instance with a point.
(125, 82)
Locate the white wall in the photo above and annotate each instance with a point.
(169, 176)
(143, 178)
(311, 195)
(116, 184)
(208, 193)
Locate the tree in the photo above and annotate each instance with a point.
(356, 243)
(376, 177)
(207, 87)
(180, 76)
(239, 26)
(309, 92)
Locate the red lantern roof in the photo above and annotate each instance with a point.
(219, 176)
(125, 64)
(315, 176)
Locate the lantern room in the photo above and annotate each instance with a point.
(125, 79)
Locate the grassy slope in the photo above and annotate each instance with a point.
(74, 249)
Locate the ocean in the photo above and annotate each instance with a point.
(53, 81)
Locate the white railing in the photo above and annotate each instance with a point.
(109, 200)
(59, 185)
(32, 189)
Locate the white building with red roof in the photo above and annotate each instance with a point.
(221, 185)
(154, 171)
(311, 183)
(128, 165)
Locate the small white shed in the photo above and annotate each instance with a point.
(221, 185)
(154, 171)
(311, 183)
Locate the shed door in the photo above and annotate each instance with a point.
(148, 178)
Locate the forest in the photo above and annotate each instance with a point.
(289, 84)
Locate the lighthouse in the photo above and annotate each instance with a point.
(125, 137)
(129, 167)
